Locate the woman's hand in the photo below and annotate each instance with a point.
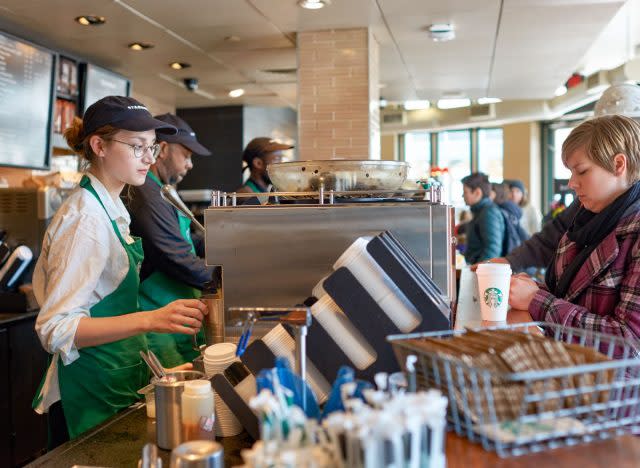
(181, 316)
(522, 291)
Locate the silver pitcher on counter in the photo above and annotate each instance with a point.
(168, 394)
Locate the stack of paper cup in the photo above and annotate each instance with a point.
(282, 344)
(217, 358)
(379, 286)
(494, 280)
(343, 332)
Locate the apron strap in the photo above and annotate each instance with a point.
(85, 183)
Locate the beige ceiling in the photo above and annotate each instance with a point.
(513, 49)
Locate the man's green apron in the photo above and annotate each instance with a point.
(159, 290)
(253, 186)
(105, 378)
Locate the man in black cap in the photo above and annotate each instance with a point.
(259, 153)
(173, 266)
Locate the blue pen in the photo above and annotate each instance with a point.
(244, 338)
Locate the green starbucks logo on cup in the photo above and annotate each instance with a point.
(493, 297)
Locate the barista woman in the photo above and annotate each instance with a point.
(86, 279)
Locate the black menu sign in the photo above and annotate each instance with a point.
(100, 83)
(26, 96)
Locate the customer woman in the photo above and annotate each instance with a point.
(531, 220)
(594, 280)
(86, 279)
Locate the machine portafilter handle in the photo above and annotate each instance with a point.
(169, 194)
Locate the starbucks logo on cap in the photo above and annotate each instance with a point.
(493, 297)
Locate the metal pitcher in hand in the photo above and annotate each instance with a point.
(213, 297)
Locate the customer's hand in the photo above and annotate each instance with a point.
(522, 291)
(181, 316)
(491, 260)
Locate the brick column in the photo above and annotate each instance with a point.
(338, 96)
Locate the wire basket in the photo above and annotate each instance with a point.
(515, 413)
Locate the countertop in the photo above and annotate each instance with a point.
(119, 442)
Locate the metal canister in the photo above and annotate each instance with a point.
(168, 415)
(198, 454)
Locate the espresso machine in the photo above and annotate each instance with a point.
(272, 254)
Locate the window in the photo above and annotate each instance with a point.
(490, 153)
(454, 154)
(559, 170)
(417, 152)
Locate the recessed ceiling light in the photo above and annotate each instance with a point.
(313, 4)
(488, 100)
(416, 105)
(140, 46)
(453, 103)
(90, 20)
(560, 91)
(441, 32)
(179, 65)
(234, 93)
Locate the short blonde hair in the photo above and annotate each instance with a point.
(604, 137)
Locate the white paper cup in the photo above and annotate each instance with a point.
(493, 291)
(343, 332)
(379, 286)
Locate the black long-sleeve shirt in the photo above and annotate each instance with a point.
(538, 251)
(165, 250)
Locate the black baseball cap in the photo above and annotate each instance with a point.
(185, 136)
(122, 112)
(261, 146)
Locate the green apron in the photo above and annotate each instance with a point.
(157, 291)
(254, 187)
(105, 378)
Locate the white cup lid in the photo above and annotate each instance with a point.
(493, 267)
(220, 351)
(197, 387)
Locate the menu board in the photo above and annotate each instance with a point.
(26, 100)
(99, 83)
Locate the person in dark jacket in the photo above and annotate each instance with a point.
(173, 267)
(538, 251)
(485, 232)
(515, 234)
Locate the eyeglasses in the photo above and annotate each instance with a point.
(139, 151)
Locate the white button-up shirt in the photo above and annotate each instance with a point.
(82, 261)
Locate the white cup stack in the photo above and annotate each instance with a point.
(494, 280)
(282, 344)
(379, 286)
(217, 358)
(341, 330)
